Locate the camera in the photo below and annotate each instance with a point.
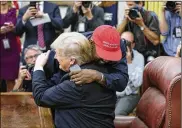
(133, 13)
(32, 4)
(29, 67)
(151, 53)
(85, 4)
(128, 44)
(170, 5)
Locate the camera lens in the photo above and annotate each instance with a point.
(170, 5)
(133, 13)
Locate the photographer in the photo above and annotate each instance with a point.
(43, 34)
(170, 26)
(83, 16)
(128, 99)
(145, 27)
(24, 79)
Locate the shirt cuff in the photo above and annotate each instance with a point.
(38, 68)
(23, 22)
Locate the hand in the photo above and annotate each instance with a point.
(42, 59)
(178, 8)
(126, 16)
(139, 20)
(11, 26)
(178, 51)
(39, 14)
(31, 11)
(4, 29)
(84, 76)
(76, 6)
(128, 56)
(87, 12)
(24, 74)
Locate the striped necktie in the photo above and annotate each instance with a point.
(40, 34)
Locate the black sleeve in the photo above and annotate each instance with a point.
(70, 18)
(20, 27)
(63, 95)
(117, 78)
(56, 19)
(97, 20)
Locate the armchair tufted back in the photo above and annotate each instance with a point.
(159, 106)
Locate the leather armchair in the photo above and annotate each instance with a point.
(159, 106)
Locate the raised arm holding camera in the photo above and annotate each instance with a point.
(83, 16)
(145, 27)
(43, 34)
(170, 26)
(25, 73)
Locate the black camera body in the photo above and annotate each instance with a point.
(151, 53)
(29, 67)
(32, 4)
(128, 44)
(133, 13)
(170, 5)
(85, 4)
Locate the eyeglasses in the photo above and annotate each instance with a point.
(31, 57)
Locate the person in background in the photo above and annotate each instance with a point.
(43, 34)
(110, 12)
(170, 26)
(83, 16)
(9, 48)
(128, 99)
(145, 27)
(25, 73)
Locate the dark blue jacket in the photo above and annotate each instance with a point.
(117, 78)
(48, 28)
(87, 106)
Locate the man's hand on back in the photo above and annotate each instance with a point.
(85, 76)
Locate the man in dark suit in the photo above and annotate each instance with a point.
(43, 34)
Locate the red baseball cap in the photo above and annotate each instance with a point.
(107, 43)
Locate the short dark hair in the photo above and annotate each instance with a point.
(137, 2)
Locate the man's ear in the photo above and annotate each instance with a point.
(132, 45)
(72, 61)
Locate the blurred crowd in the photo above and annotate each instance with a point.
(41, 23)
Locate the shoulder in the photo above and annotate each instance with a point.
(95, 66)
(152, 14)
(138, 55)
(167, 13)
(68, 86)
(23, 9)
(98, 9)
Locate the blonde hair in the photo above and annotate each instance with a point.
(74, 45)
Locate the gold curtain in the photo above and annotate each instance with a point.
(155, 7)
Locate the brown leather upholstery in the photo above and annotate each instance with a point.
(159, 106)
